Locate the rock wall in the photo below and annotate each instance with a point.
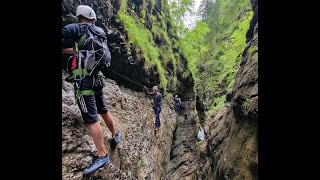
(183, 162)
(230, 150)
(232, 145)
(142, 154)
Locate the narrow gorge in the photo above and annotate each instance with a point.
(212, 67)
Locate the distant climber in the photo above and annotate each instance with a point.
(88, 86)
(177, 103)
(175, 100)
(157, 104)
(185, 116)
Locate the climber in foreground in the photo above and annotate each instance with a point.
(157, 104)
(88, 80)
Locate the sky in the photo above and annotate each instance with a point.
(190, 19)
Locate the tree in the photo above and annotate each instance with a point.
(178, 9)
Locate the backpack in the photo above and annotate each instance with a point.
(91, 53)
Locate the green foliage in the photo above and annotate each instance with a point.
(230, 85)
(193, 48)
(143, 14)
(213, 56)
(233, 50)
(185, 74)
(178, 9)
(253, 50)
(143, 40)
(142, 21)
(162, 73)
(123, 6)
(153, 19)
(152, 3)
(216, 105)
(161, 34)
(163, 25)
(245, 104)
(175, 80)
(254, 57)
(117, 20)
(168, 98)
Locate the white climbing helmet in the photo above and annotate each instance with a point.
(155, 88)
(86, 11)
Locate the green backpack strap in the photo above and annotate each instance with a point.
(76, 46)
(79, 93)
(80, 72)
(89, 92)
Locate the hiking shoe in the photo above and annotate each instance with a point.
(97, 163)
(117, 138)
